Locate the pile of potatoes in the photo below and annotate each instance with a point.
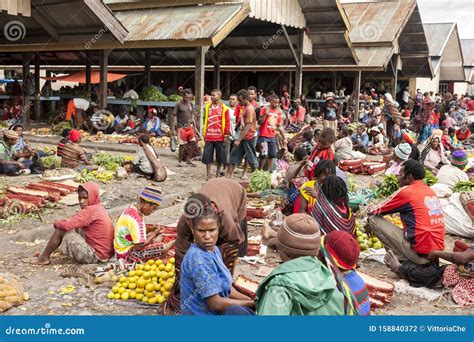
(160, 142)
(11, 292)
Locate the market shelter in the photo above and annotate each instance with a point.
(81, 77)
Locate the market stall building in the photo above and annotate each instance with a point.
(467, 46)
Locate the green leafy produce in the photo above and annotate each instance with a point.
(51, 162)
(57, 129)
(175, 98)
(464, 186)
(430, 179)
(352, 182)
(388, 186)
(152, 93)
(260, 181)
(84, 176)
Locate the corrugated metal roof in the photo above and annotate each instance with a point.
(467, 46)
(377, 21)
(176, 23)
(437, 36)
(374, 56)
(283, 12)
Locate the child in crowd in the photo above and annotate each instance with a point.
(397, 133)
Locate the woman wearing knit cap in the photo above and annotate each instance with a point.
(451, 174)
(341, 251)
(133, 240)
(8, 165)
(301, 285)
(401, 153)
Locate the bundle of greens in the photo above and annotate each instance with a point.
(464, 186)
(430, 179)
(51, 162)
(388, 187)
(260, 181)
(152, 93)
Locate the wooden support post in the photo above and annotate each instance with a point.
(356, 93)
(88, 74)
(217, 73)
(394, 87)
(227, 84)
(334, 82)
(290, 82)
(37, 88)
(148, 68)
(174, 80)
(199, 74)
(299, 67)
(26, 97)
(104, 59)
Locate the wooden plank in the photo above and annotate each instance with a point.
(104, 58)
(88, 73)
(148, 68)
(37, 88)
(299, 66)
(199, 83)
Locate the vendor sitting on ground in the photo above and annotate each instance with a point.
(360, 140)
(433, 155)
(73, 156)
(343, 147)
(205, 281)
(9, 165)
(91, 243)
(401, 153)
(152, 124)
(301, 285)
(64, 139)
(299, 138)
(377, 141)
(460, 275)
(423, 232)
(464, 132)
(341, 252)
(122, 123)
(101, 121)
(23, 148)
(323, 150)
(228, 198)
(133, 240)
(140, 164)
(451, 174)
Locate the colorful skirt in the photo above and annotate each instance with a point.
(462, 287)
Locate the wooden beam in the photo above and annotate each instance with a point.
(104, 58)
(37, 107)
(88, 74)
(199, 74)
(299, 67)
(26, 98)
(148, 68)
(357, 100)
(44, 24)
(290, 45)
(217, 72)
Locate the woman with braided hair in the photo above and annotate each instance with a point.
(331, 209)
(227, 198)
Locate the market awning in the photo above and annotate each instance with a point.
(80, 77)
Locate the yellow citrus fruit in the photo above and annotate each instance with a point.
(152, 274)
(115, 278)
(110, 295)
(140, 273)
(157, 287)
(171, 280)
(164, 276)
(154, 267)
(152, 300)
(154, 279)
(158, 274)
(141, 283)
(161, 281)
(132, 286)
(160, 299)
(171, 261)
(132, 273)
(168, 267)
(150, 262)
(161, 267)
(149, 287)
(123, 279)
(147, 268)
(124, 285)
(140, 267)
(140, 290)
(133, 294)
(139, 296)
(115, 289)
(146, 275)
(132, 279)
(150, 294)
(168, 286)
(121, 290)
(170, 274)
(117, 296)
(158, 262)
(145, 299)
(166, 294)
(125, 296)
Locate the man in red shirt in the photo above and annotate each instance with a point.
(216, 129)
(243, 146)
(423, 222)
(270, 120)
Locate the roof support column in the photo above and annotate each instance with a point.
(37, 88)
(356, 93)
(26, 97)
(104, 61)
(227, 84)
(395, 79)
(299, 66)
(217, 73)
(199, 74)
(148, 68)
(88, 74)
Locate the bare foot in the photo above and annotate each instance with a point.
(36, 261)
(392, 262)
(265, 233)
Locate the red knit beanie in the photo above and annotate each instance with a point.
(343, 248)
(74, 135)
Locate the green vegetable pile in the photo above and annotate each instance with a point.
(175, 98)
(51, 162)
(108, 161)
(464, 186)
(388, 186)
(430, 179)
(57, 129)
(152, 93)
(260, 181)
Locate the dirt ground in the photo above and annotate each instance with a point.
(26, 237)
